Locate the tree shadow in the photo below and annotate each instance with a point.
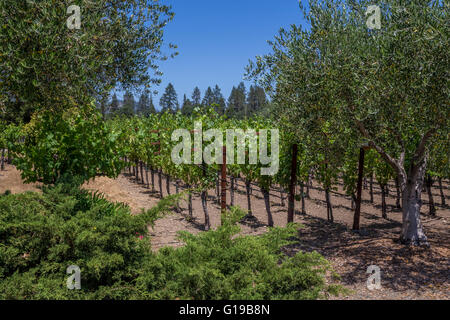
(193, 221)
(252, 222)
(402, 267)
(154, 194)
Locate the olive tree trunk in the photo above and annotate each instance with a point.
(411, 185)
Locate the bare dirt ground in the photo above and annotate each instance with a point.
(10, 180)
(406, 273)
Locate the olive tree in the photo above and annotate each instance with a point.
(388, 85)
(67, 53)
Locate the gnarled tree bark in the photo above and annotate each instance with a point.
(411, 184)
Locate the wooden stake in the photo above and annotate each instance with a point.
(291, 204)
(357, 215)
(223, 205)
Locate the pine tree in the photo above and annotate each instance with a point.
(256, 100)
(242, 98)
(169, 100)
(237, 106)
(219, 100)
(103, 104)
(128, 104)
(187, 107)
(145, 105)
(114, 106)
(196, 97)
(152, 108)
(142, 104)
(231, 105)
(208, 99)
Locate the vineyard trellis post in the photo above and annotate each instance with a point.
(146, 175)
(399, 194)
(292, 183)
(142, 171)
(429, 184)
(441, 192)
(357, 215)
(223, 206)
(204, 197)
(371, 187)
(3, 160)
(158, 142)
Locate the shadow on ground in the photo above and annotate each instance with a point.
(402, 267)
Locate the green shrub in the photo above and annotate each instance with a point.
(221, 265)
(42, 234)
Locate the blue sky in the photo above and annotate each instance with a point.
(217, 38)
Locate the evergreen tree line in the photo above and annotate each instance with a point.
(240, 104)
(129, 107)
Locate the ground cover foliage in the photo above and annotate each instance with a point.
(41, 234)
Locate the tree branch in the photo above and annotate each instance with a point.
(420, 151)
(393, 162)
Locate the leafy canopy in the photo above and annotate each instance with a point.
(44, 64)
(387, 87)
